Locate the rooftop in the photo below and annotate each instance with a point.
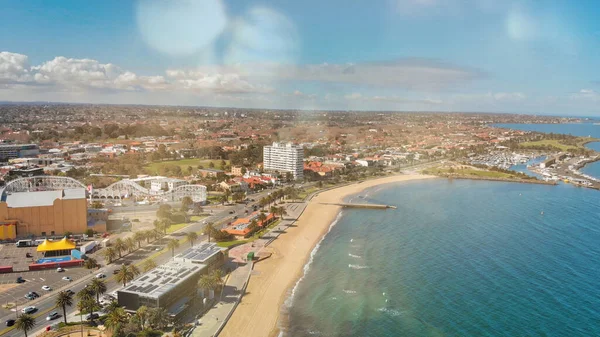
(199, 253)
(162, 279)
(42, 198)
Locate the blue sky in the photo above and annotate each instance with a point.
(430, 55)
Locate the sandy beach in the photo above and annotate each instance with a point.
(272, 279)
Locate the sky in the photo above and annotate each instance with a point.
(540, 57)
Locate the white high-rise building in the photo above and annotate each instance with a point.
(284, 157)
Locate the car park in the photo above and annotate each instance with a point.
(51, 316)
(28, 310)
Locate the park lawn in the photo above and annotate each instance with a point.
(227, 244)
(175, 227)
(474, 173)
(307, 192)
(549, 142)
(195, 218)
(154, 168)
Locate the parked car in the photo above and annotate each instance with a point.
(91, 316)
(46, 288)
(20, 279)
(10, 322)
(29, 309)
(51, 316)
(59, 270)
(67, 278)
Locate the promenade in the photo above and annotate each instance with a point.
(213, 321)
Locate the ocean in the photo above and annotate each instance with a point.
(456, 258)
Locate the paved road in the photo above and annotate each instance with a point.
(46, 303)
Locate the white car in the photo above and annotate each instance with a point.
(100, 275)
(67, 278)
(59, 270)
(52, 316)
(47, 288)
(28, 310)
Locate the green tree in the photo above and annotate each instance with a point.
(115, 319)
(172, 245)
(186, 202)
(148, 265)
(97, 204)
(124, 275)
(143, 315)
(158, 318)
(91, 263)
(130, 244)
(110, 254)
(98, 287)
(164, 211)
(139, 238)
(120, 246)
(25, 323)
(262, 217)
(209, 229)
(192, 237)
(63, 300)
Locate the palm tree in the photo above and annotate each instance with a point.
(120, 246)
(217, 276)
(25, 323)
(123, 275)
(165, 224)
(281, 211)
(130, 244)
(209, 229)
(112, 306)
(133, 271)
(172, 245)
(142, 314)
(158, 226)
(90, 263)
(206, 282)
(115, 319)
(110, 254)
(148, 234)
(64, 300)
(192, 236)
(86, 300)
(158, 318)
(262, 217)
(139, 238)
(148, 265)
(98, 287)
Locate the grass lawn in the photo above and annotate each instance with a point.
(474, 173)
(307, 191)
(154, 168)
(195, 218)
(549, 142)
(177, 226)
(227, 244)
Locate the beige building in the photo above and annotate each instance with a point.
(237, 171)
(46, 213)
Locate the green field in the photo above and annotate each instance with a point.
(549, 142)
(154, 168)
(473, 173)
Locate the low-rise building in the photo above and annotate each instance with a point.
(208, 254)
(166, 184)
(169, 286)
(210, 173)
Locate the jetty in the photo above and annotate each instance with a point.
(348, 205)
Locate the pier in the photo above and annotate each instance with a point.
(348, 205)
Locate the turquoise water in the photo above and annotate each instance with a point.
(457, 258)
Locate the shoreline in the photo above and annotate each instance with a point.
(261, 309)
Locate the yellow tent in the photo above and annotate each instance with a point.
(49, 246)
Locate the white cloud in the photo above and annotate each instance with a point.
(586, 95)
(444, 7)
(14, 68)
